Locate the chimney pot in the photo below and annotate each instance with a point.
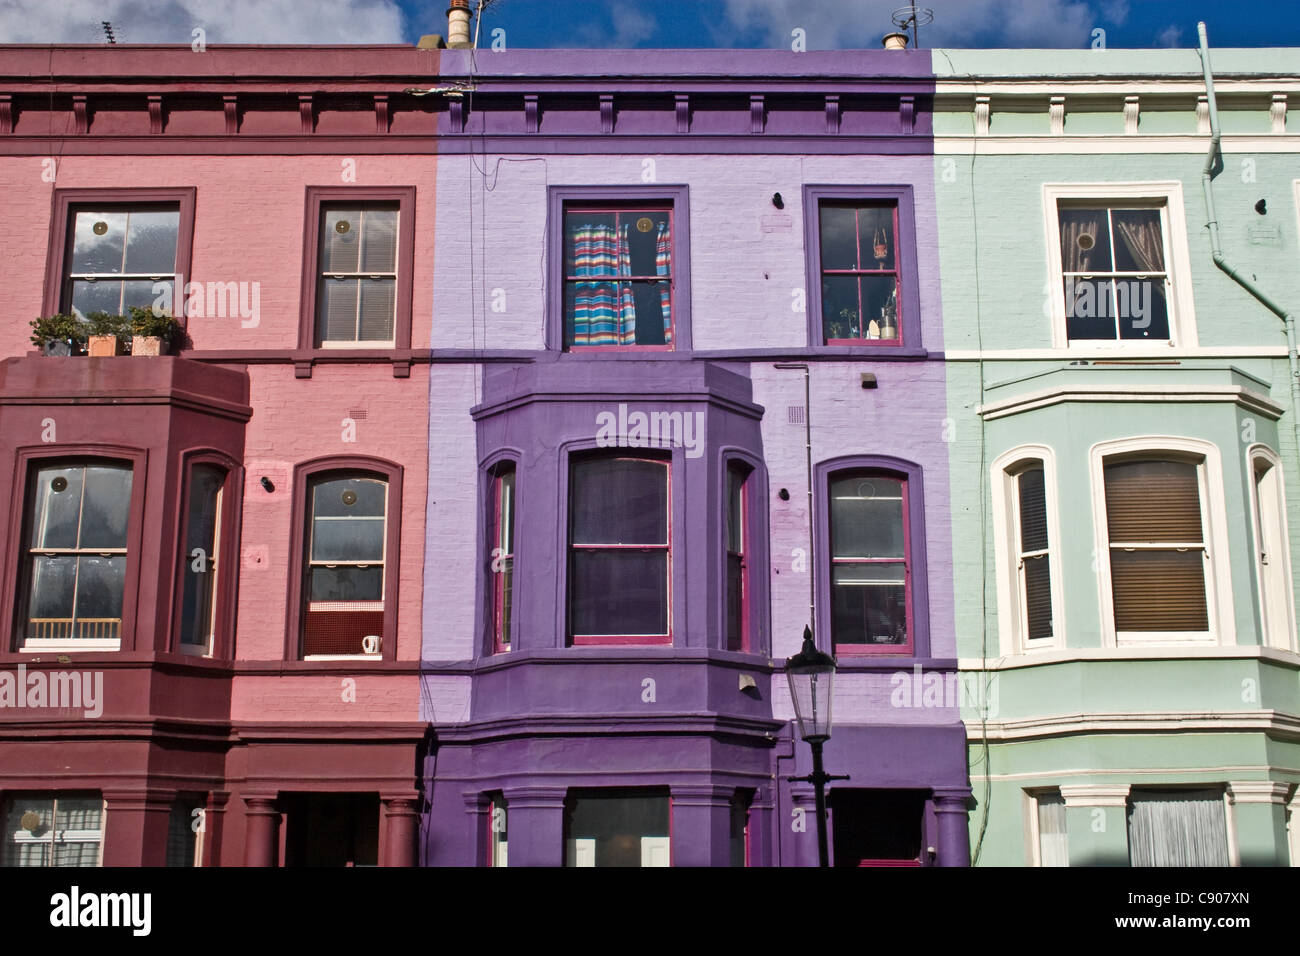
(895, 41)
(458, 14)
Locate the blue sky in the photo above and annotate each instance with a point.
(617, 24)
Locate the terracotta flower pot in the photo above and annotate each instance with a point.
(104, 346)
(146, 345)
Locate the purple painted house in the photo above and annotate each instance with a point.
(687, 397)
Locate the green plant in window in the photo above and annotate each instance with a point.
(106, 323)
(52, 330)
(150, 324)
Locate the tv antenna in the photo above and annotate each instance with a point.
(108, 31)
(914, 17)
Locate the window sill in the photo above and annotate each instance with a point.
(607, 640)
(343, 657)
(87, 645)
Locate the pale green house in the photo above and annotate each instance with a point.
(1123, 452)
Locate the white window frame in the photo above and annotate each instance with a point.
(15, 834)
(1032, 832)
(1217, 566)
(1173, 223)
(1013, 625)
(1269, 635)
(322, 275)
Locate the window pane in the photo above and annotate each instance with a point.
(100, 295)
(880, 305)
(79, 813)
(652, 302)
(52, 592)
(57, 507)
(506, 514)
(346, 584)
(1085, 240)
(1089, 308)
(98, 250)
(379, 246)
(876, 237)
(867, 517)
(1053, 840)
(591, 244)
(1142, 309)
(347, 539)
(199, 557)
(1139, 245)
(99, 593)
(1149, 502)
(735, 517)
(1033, 510)
(839, 237)
(619, 501)
(618, 823)
(349, 498)
(869, 603)
(841, 308)
(340, 232)
(619, 592)
(735, 597)
(339, 309)
(139, 293)
(1159, 590)
(151, 242)
(1038, 597)
(378, 305)
(106, 507)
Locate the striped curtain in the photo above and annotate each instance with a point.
(1177, 828)
(604, 312)
(663, 263)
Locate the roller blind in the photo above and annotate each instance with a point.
(1157, 546)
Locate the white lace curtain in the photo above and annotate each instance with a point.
(1177, 828)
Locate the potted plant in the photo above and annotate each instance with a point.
(105, 331)
(58, 334)
(152, 332)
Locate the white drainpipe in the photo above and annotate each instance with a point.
(1208, 172)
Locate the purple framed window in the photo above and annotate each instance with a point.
(863, 285)
(737, 541)
(620, 260)
(870, 597)
(498, 834)
(858, 244)
(870, 573)
(502, 556)
(620, 551)
(618, 277)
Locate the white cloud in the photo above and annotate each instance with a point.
(225, 21)
(1171, 35)
(832, 24)
(627, 27)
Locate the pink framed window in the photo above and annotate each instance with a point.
(871, 593)
(737, 539)
(345, 566)
(120, 256)
(618, 276)
(503, 554)
(357, 291)
(205, 501)
(620, 552)
(861, 298)
(75, 560)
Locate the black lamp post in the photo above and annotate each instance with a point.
(811, 674)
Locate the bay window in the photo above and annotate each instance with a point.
(619, 550)
(617, 828)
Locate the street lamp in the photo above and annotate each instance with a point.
(811, 674)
